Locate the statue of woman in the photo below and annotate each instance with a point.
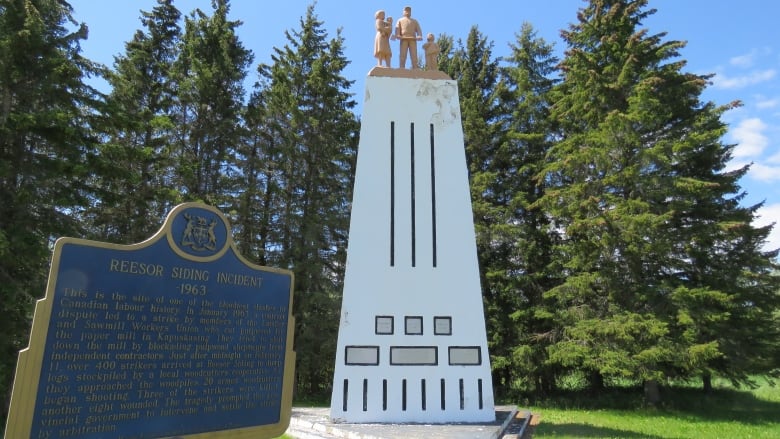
(384, 28)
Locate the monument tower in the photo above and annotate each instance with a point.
(412, 345)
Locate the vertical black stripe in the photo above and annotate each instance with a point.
(403, 394)
(422, 392)
(443, 396)
(384, 394)
(414, 238)
(365, 394)
(433, 198)
(345, 395)
(392, 194)
(462, 396)
(479, 391)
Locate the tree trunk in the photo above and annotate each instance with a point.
(706, 380)
(547, 383)
(596, 381)
(652, 392)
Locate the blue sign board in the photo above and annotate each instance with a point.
(175, 336)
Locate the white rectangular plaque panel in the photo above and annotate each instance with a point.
(465, 356)
(361, 356)
(413, 356)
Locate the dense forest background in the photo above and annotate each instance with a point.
(613, 244)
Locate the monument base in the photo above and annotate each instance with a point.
(315, 423)
(391, 72)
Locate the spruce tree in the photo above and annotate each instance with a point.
(137, 194)
(608, 228)
(639, 155)
(257, 228)
(210, 73)
(724, 288)
(302, 148)
(46, 153)
(522, 235)
(490, 157)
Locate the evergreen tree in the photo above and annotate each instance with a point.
(493, 158)
(302, 150)
(210, 72)
(724, 288)
(137, 193)
(258, 229)
(639, 154)
(45, 154)
(522, 237)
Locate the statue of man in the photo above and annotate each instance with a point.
(407, 29)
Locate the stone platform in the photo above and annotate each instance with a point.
(315, 423)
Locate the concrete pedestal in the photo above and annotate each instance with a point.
(315, 423)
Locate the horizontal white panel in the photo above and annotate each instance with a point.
(465, 356)
(413, 355)
(362, 356)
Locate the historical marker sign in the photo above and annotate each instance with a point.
(175, 336)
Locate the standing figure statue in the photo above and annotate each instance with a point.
(431, 54)
(407, 29)
(384, 28)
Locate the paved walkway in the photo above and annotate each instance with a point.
(315, 423)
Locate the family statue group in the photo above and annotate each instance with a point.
(408, 32)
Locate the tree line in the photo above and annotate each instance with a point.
(611, 238)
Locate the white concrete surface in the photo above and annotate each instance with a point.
(412, 288)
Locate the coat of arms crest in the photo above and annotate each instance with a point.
(199, 233)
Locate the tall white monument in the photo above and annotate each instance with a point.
(412, 345)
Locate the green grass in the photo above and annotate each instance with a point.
(684, 413)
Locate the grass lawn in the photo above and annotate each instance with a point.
(685, 413)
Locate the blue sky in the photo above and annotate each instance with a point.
(738, 42)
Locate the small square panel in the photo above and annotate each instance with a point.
(384, 325)
(442, 325)
(413, 325)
